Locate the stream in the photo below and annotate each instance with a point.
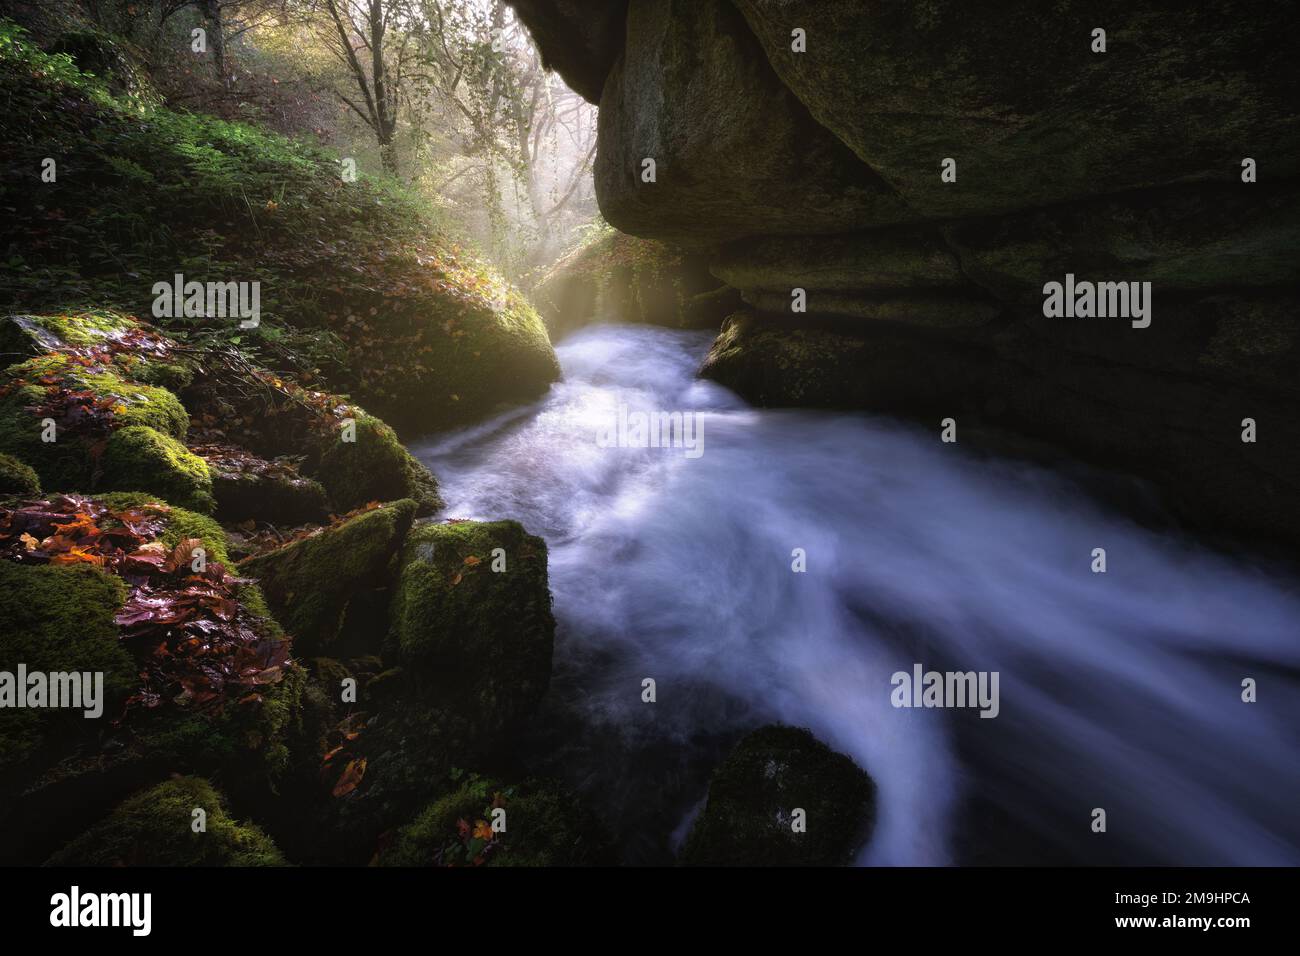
(1120, 691)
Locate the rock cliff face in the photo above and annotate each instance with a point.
(922, 170)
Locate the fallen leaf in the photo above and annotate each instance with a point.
(351, 777)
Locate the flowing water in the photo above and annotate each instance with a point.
(1119, 691)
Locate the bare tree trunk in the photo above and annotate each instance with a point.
(217, 37)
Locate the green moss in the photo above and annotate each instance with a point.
(282, 499)
(544, 826)
(482, 638)
(752, 795)
(375, 467)
(142, 459)
(69, 462)
(58, 619)
(155, 828)
(310, 582)
(132, 403)
(17, 478)
(448, 340)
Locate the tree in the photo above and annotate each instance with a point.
(376, 45)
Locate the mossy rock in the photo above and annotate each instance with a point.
(458, 358)
(141, 459)
(281, 499)
(310, 582)
(748, 820)
(135, 446)
(155, 828)
(132, 402)
(483, 639)
(375, 467)
(63, 619)
(17, 478)
(544, 826)
(59, 618)
(28, 336)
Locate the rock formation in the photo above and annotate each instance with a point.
(890, 185)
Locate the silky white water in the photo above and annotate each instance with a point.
(1120, 691)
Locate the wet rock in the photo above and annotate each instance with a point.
(309, 583)
(750, 818)
(481, 637)
(736, 154)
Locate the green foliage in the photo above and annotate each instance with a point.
(353, 283)
(155, 828)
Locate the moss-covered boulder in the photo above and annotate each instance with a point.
(133, 349)
(279, 497)
(143, 459)
(472, 614)
(160, 712)
(310, 582)
(620, 278)
(80, 420)
(17, 478)
(538, 824)
(58, 619)
(157, 828)
(750, 819)
(462, 344)
(371, 464)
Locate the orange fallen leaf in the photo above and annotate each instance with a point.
(471, 561)
(351, 777)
